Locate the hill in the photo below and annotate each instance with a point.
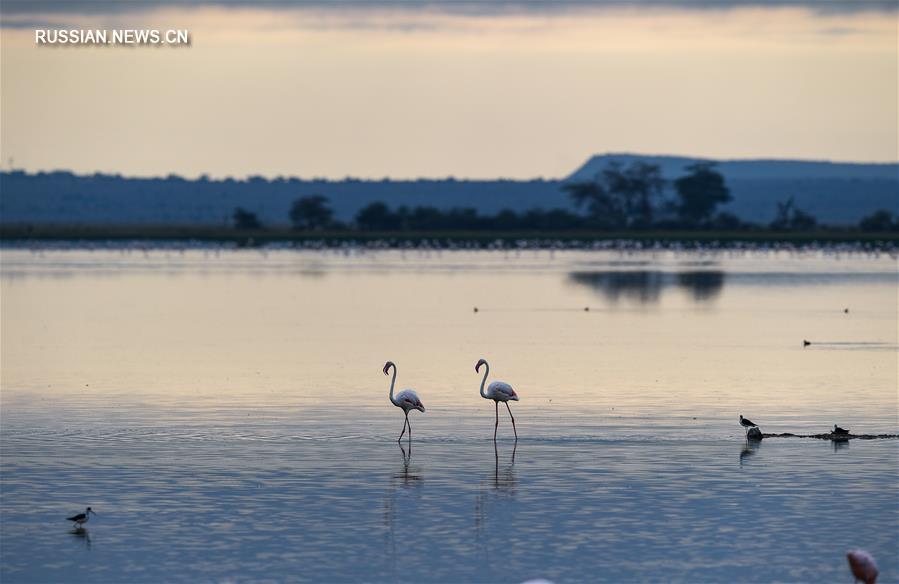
(837, 193)
(834, 192)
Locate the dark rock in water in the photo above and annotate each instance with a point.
(754, 433)
(835, 437)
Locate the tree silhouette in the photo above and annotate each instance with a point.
(700, 192)
(789, 218)
(879, 221)
(620, 196)
(377, 216)
(310, 213)
(244, 219)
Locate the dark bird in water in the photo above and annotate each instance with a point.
(846, 310)
(475, 308)
(746, 423)
(805, 343)
(81, 518)
(586, 309)
(838, 430)
(863, 566)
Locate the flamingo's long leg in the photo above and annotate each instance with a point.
(496, 426)
(410, 430)
(514, 429)
(404, 428)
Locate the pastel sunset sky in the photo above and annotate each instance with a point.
(432, 89)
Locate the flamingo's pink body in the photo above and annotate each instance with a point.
(407, 400)
(863, 566)
(498, 391)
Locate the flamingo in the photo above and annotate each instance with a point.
(498, 391)
(406, 399)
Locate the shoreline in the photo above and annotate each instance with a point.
(13, 235)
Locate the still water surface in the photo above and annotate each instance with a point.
(225, 414)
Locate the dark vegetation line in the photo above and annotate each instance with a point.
(449, 239)
(623, 201)
(622, 198)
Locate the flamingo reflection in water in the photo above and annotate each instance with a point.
(402, 503)
(503, 483)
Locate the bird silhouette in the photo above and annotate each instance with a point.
(81, 518)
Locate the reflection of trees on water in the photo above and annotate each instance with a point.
(646, 286)
(701, 285)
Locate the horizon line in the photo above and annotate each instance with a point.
(388, 178)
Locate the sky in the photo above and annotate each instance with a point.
(440, 88)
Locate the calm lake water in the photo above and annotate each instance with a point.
(225, 414)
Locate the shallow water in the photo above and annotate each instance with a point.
(225, 414)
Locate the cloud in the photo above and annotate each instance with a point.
(456, 7)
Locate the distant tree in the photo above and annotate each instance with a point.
(506, 219)
(551, 220)
(728, 222)
(879, 221)
(310, 213)
(700, 192)
(603, 209)
(789, 218)
(620, 196)
(803, 221)
(244, 219)
(426, 218)
(377, 217)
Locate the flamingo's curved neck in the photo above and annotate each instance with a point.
(483, 381)
(392, 383)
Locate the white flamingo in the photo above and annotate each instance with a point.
(498, 391)
(406, 399)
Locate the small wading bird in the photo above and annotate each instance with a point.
(498, 391)
(838, 430)
(81, 518)
(746, 423)
(406, 399)
(863, 566)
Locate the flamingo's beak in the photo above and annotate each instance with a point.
(420, 408)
